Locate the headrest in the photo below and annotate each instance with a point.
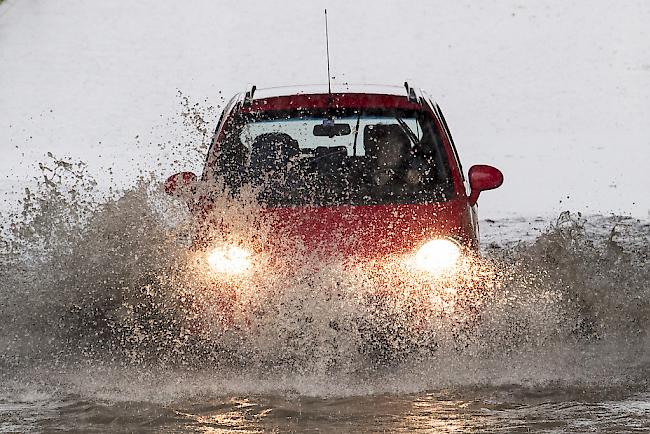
(272, 153)
(273, 149)
(275, 140)
(331, 151)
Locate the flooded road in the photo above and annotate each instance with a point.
(98, 334)
(476, 411)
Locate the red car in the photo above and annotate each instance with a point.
(362, 172)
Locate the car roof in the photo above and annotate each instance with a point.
(320, 89)
(351, 95)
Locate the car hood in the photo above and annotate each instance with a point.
(371, 231)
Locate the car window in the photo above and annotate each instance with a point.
(376, 157)
(302, 131)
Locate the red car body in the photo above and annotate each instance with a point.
(366, 231)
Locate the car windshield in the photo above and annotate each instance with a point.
(341, 157)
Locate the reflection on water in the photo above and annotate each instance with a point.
(479, 411)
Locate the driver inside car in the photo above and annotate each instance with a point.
(389, 148)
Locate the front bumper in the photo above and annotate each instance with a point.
(237, 296)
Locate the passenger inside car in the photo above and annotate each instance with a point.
(395, 162)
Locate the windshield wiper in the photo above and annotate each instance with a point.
(356, 134)
(409, 132)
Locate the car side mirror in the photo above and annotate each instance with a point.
(483, 177)
(180, 184)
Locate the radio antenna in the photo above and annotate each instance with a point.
(327, 45)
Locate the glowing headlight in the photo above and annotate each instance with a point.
(229, 260)
(437, 255)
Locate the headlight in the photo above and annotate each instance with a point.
(229, 260)
(437, 255)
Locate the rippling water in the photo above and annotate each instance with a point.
(103, 330)
(499, 410)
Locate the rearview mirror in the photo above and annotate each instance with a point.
(483, 177)
(180, 184)
(330, 129)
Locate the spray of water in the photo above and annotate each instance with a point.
(110, 286)
(101, 294)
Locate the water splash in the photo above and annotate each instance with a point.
(106, 293)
